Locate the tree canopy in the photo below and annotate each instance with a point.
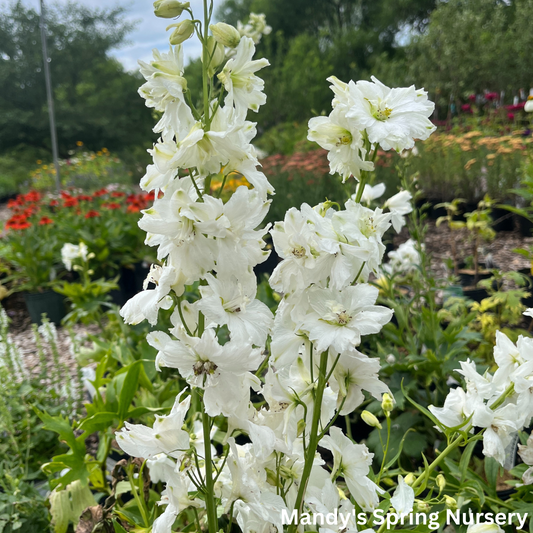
(96, 101)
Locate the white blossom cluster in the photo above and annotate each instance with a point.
(500, 403)
(368, 114)
(219, 342)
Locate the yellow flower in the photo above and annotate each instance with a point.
(79, 143)
(469, 163)
(45, 167)
(491, 156)
(39, 162)
(98, 153)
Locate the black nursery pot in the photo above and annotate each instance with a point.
(524, 225)
(49, 302)
(528, 302)
(476, 294)
(503, 219)
(467, 277)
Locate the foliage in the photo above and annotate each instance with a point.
(84, 170)
(96, 101)
(474, 46)
(106, 221)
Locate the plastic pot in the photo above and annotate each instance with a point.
(503, 219)
(49, 302)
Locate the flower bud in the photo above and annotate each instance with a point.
(183, 31)
(441, 482)
(422, 506)
(169, 9)
(409, 479)
(225, 34)
(528, 106)
(370, 419)
(387, 403)
(450, 502)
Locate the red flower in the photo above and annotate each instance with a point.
(32, 196)
(118, 194)
(84, 198)
(133, 208)
(92, 214)
(54, 203)
(466, 108)
(45, 221)
(492, 96)
(472, 97)
(17, 225)
(101, 192)
(71, 202)
(65, 195)
(112, 205)
(510, 116)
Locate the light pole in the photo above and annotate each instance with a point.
(49, 96)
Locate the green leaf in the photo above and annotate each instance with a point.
(129, 388)
(97, 422)
(492, 468)
(118, 527)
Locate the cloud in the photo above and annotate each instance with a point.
(149, 31)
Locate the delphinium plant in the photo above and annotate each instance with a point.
(265, 463)
(252, 442)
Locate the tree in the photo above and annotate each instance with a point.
(473, 46)
(313, 39)
(96, 101)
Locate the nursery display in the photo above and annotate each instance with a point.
(262, 343)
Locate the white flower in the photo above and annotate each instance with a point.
(404, 260)
(70, 252)
(224, 372)
(392, 118)
(146, 304)
(228, 300)
(456, 408)
(344, 143)
(176, 498)
(165, 437)
(255, 28)
(484, 528)
(238, 77)
(338, 319)
(354, 374)
(399, 205)
(501, 426)
(403, 498)
(370, 192)
(352, 461)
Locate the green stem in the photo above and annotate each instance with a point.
(138, 501)
(454, 444)
(210, 489)
(313, 437)
(205, 66)
(386, 449)
(361, 188)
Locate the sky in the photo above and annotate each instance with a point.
(149, 32)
